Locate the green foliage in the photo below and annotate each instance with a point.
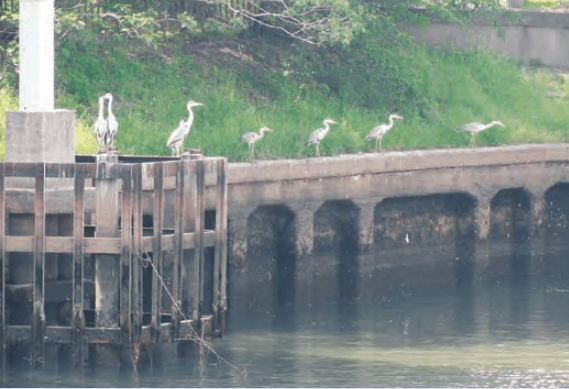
(7, 103)
(541, 4)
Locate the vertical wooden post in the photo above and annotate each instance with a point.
(38, 320)
(137, 262)
(107, 282)
(192, 273)
(199, 223)
(179, 255)
(220, 289)
(125, 272)
(3, 347)
(537, 231)
(78, 318)
(157, 259)
(366, 220)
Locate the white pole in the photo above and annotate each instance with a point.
(36, 55)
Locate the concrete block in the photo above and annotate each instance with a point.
(40, 136)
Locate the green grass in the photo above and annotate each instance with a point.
(435, 90)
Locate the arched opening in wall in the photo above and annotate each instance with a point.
(509, 235)
(556, 235)
(271, 254)
(336, 236)
(423, 241)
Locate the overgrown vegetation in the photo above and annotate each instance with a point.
(254, 78)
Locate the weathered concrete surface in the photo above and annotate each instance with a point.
(541, 36)
(40, 136)
(368, 225)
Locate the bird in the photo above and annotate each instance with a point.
(378, 131)
(251, 137)
(319, 134)
(112, 123)
(176, 140)
(474, 128)
(101, 123)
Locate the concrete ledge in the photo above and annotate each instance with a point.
(40, 136)
(389, 162)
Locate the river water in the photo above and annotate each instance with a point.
(497, 334)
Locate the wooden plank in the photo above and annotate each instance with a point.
(157, 258)
(125, 270)
(23, 244)
(18, 334)
(12, 169)
(137, 262)
(38, 318)
(60, 170)
(199, 229)
(78, 315)
(221, 230)
(216, 258)
(3, 265)
(103, 246)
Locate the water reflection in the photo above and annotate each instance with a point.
(504, 333)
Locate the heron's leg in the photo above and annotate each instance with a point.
(472, 143)
(380, 146)
(318, 149)
(253, 150)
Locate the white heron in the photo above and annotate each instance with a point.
(101, 123)
(112, 123)
(378, 132)
(474, 128)
(251, 137)
(176, 140)
(319, 134)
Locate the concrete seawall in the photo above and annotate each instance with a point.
(335, 229)
(542, 36)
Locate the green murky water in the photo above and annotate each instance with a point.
(492, 335)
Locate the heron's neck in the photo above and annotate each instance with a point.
(390, 122)
(261, 132)
(110, 106)
(101, 108)
(190, 117)
(490, 124)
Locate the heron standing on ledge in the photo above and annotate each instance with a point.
(319, 134)
(251, 137)
(378, 131)
(101, 123)
(112, 123)
(474, 128)
(176, 140)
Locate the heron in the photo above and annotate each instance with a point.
(176, 140)
(112, 123)
(474, 128)
(101, 123)
(319, 134)
(251, 137)
(378, 132)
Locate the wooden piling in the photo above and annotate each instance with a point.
(220, 273)
(157, 257)
(125, 272)
(38, 315)
(137, 252)
(199, 229)
(3, 347)
(78, 318)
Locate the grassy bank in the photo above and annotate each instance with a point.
(292, 89)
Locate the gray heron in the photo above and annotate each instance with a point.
(319, 134)
(112, 123)
(474, 128)
(101, 123)
(251, 137)
(378, 131)
(176, 140)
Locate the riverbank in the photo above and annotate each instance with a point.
(252, 80)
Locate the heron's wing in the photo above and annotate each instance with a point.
(176, 136)
(471, 127)
(314, 137)
(113, 124)
(248, 137)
